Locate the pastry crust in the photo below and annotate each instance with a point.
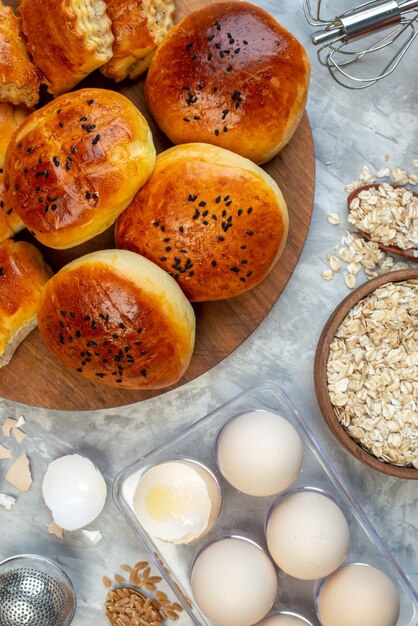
(19, 79)
(138, 27)
(73, 166)
(10, 118)
(10, 222)
(213, 220)
(23, 275)
(116, 318)
(67, 39)
(229, 75)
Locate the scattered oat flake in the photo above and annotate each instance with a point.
(334, 219)
(350, 280)
(19, 474)
(5, 453)
(327, 274)
(8, 425)
(415, 163)
(7, 501)
(94, 536)
(386, 157)
(334, 263)
(56, 530)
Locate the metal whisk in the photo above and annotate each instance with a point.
(348, 62)
(35, 592)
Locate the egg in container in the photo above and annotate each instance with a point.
(284, 618)
(245, 516)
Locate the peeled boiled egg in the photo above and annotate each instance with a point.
(177, 501)
(234, 583)
(284, 619)
(358, 594)
(307, 535)
(259, 453)
(75, 491)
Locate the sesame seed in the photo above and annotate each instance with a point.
(83, 119)
(213, 263)
(181, 229)
(74, 149)
(236, 51)
(217, 132)
(96, 139)
(234, 269)
(87, 195)
(163, 258)
(56, 161)
(90, 102)
(229, 68)
(68, 166)
(225, 129)
(61, 125)
(194, 57)
(186, 119)
(249, 232)
(210, 56)
(202, 203)
(211, 37)
(249, 210)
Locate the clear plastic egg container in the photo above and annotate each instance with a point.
(245, 515)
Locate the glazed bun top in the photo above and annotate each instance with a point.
(116, 318)
(230, 75)
(10, 118)
(23, 274)
(75, 164)
(213, 220)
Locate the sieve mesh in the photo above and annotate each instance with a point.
(34, 592)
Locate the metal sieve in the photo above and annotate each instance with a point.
(34, 591)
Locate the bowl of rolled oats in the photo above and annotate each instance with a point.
(366, 373)
(388, 215)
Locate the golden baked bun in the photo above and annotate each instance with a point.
(138, 27)
(116, 318)
(67, 39)
(213, 220)
(10, 118)
(74, 165)
(19, 79)
(23, 275)
(10, 222)
(229, 75)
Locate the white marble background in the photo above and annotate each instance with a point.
(350, 129)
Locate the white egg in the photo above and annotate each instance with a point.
(283, 620)
(177, 501)
(75, 491)
(307, 535)
(234, 583)
(358, 594)
(260, 453)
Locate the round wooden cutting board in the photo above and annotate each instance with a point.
(36, 378)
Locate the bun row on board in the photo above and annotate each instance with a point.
(198, 222)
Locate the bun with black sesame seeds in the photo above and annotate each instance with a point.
(10, 222)
(73, 166)
(67, 39)
(231, 76)
(116, 318)
(213, 220)
(23, 275)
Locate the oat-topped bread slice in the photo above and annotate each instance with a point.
(67, 39)
(19, 80)
(138, 27)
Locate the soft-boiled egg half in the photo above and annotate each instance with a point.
(234, 582)
(358, 594)
(177, 501)
(259, 453)
(75, 491)
(307, 535)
